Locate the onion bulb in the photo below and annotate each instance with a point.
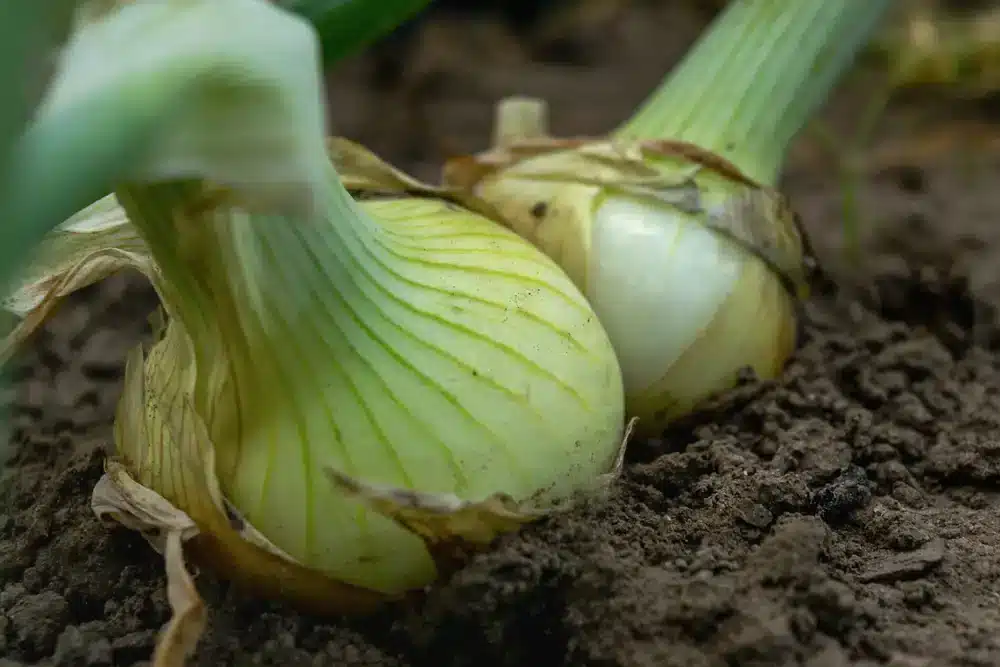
(424, 356)
(406, 351)
(693, 268)
(341, 397)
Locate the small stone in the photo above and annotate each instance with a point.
(907, 566)
(756, 515)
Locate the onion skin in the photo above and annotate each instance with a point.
(687, 307)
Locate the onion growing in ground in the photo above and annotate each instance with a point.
(342, 397)
(348, 393)
(672, 226)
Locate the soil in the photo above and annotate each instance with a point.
(848, 514)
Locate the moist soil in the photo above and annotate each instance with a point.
(846, 514)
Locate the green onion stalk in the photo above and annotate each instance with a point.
(349, 390)
(41, 181)
(672, 225)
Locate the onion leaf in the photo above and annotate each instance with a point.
(347, 26)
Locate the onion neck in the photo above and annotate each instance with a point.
(254, 291)
(755, 78)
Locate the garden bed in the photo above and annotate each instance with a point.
(848, 514)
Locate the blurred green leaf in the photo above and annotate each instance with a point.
(30, 36)
(47, 159)
(346, 27)
(50, 184)
(177, 106)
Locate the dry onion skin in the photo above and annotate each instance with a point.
(345, 396)
(671, 226)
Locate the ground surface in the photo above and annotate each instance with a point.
(847, 515)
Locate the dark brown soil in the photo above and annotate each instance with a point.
(846, 515)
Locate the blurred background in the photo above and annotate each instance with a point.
(427, 90)
(923, 97)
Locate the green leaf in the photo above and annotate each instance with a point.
(346, 27)
(30, 36)
(65, 162)
(228, 90)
